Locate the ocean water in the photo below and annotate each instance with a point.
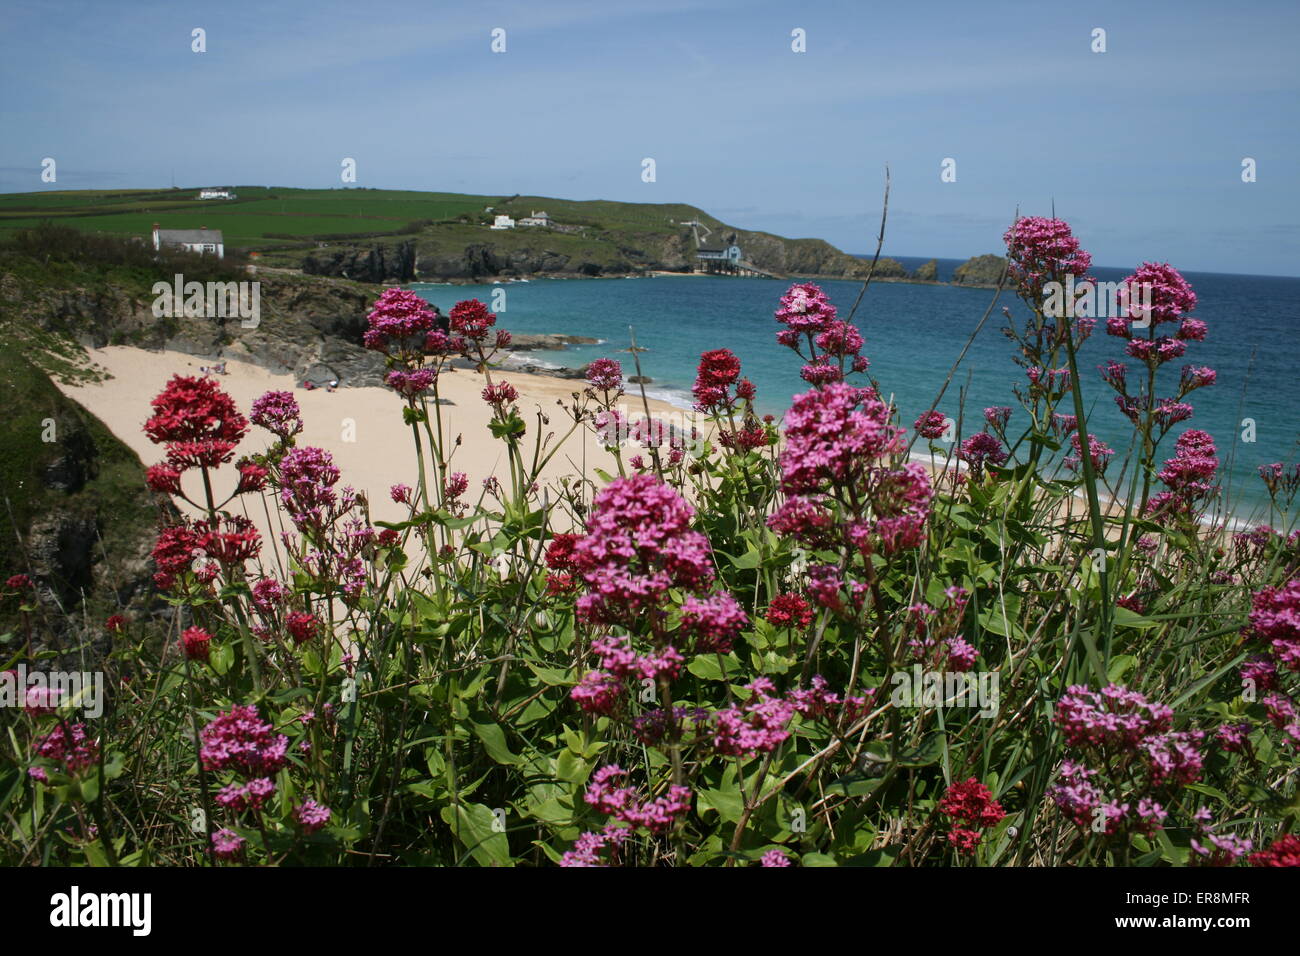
(914, 333)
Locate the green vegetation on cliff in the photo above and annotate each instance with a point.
(375, 235)
(77, 516)
(984, 271)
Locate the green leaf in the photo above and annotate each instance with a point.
(1127, 618)
(927, 752)
(1120, 665)
(494, 741)
(727, 803)
(551, 676)
(473, 825)
(705, 666)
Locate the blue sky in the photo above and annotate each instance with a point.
(1140, 147)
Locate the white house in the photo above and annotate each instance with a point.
(537, 219)
(202, 240)
(216, 194)
(503, 222)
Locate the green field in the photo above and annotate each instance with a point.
(267, 217)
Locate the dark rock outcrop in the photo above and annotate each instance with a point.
(928, 272)
(980, 271)
(547, 341)
(376, 263)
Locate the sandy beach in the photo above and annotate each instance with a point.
(361, 427)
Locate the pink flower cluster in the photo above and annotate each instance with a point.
(1171, 297)
(657, 815)
(68, 744)
(1112, 719)
(605, 375)
(818, 701)
(979, 451)
(970, 804)
(1098, 450)
(757, 726)
(714, 621)
(242, 742)
(1281, 480)
(278, 413)
(398, 324)
(1275, 620)
(1042, 250)
(931, 425)
(936, 641)
(1188, 477)
(587, 848)
(810, 321)
(1123, 731)
(638, 544)
(833, 435)
(249, 796)
(307, 479)
(600, 690)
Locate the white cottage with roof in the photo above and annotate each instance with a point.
(202, 240)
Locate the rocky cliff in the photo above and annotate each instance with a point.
(470, 253)
(78, 520)
(376, 263)
(982, 271)
(305, 322)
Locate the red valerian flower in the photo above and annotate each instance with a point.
(196, 643)
(971, 803)
(789, 610)
(193, 409)
(398, 322)
(471, 319)
(605, 374)
(931, 425)
(227, 539)
(302, 626)
(163, 478)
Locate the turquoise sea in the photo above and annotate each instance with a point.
(914, 333)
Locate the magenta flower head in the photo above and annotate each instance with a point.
(805, 308)
(500, 395)
(1098, 450)
(227, 844)
(472, 320)
(605, 374)
(1043, 250)
(1275, 621)
(832, 435)
(1169, 294)
(410, 385)
(278, 413)
(311, 816)
(931, 425)
(717, 372)
(639, 543)
(998, 416)
(715, 621)
(242, 742)
(980, 450)
(398, 323)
